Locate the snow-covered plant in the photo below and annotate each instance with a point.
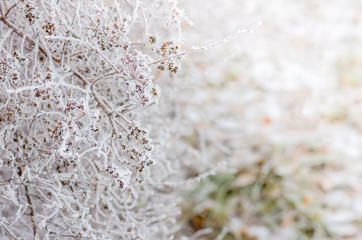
(77, 83)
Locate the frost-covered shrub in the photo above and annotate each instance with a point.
(78, 84)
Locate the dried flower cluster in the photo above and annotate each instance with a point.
(140, 88)
(112, 32)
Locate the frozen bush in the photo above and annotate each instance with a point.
(77, 82)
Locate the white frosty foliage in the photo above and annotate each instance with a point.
(77, 79)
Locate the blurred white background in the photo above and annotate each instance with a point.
(285, 99)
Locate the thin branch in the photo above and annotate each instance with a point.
(8, 11)
(31, 210)
(18, 32)
(100, 102)
(8, 230)
(214, 44)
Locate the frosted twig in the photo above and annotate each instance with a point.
(201, 48)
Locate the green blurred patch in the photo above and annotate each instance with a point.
(349, 70)
(257, 197)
